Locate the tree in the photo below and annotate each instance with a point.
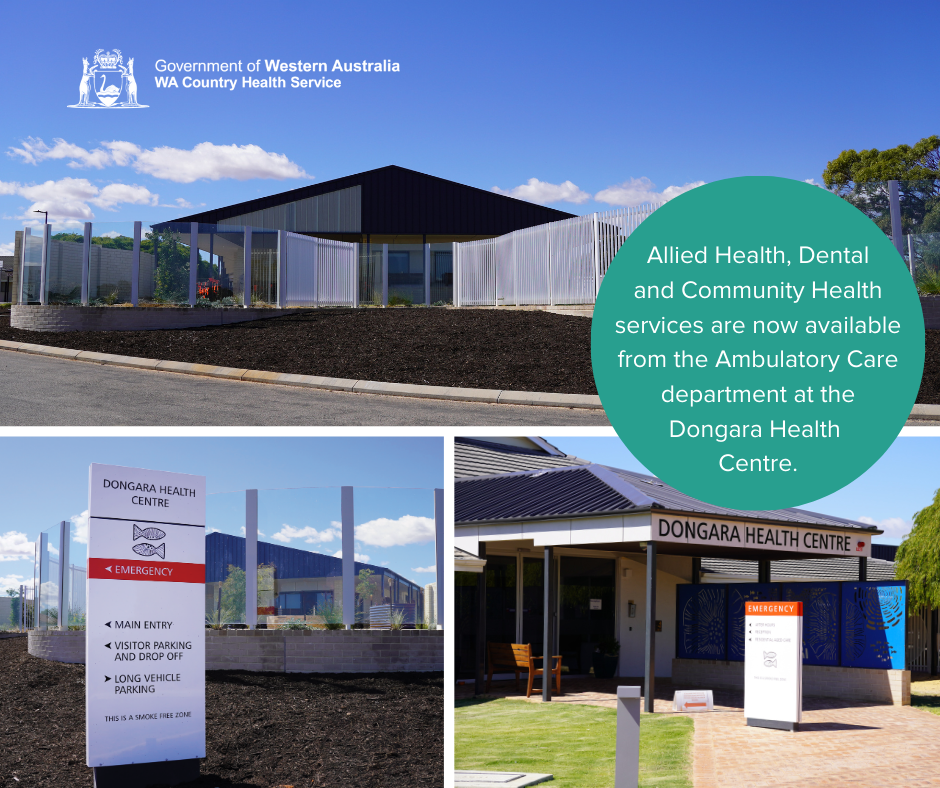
(14, 606)
(918, 558)
(861, 178)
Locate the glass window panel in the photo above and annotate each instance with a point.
(405, 274)
(442, 273)
(395, 552)
(225, 559)
(110, 263)
(64, 274)
(581, 627)
(300, 574)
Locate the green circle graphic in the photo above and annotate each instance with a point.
(758, 343)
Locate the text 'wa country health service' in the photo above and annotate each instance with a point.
(264, 74)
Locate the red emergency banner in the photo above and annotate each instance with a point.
(163, 572)
(773, 608)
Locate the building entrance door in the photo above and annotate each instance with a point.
(587, 609)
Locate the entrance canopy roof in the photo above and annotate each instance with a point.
(607, 508)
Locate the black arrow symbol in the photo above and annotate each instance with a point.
(107, 645)
(107, 624)
(107, 679)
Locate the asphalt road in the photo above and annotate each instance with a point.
(39, 391)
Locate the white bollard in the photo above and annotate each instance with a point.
(627, 769)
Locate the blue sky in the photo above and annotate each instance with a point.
(608, 104)
(48, 482)
(888, 495)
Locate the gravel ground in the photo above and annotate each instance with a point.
(476, 348)
(263, 729)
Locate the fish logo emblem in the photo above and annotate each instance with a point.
(148, 533)
(770, 657)
(147, 550)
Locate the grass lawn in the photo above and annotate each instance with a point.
(575, 743)
(926, 695)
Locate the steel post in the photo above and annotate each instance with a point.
(251, 559)
(650, 670)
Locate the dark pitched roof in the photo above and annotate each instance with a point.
(535, 486)
(814, 568)
(396, 200)
(480, 457)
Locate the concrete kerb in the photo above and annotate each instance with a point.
(926, 412)
(493, 396)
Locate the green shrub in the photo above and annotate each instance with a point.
(295, 623)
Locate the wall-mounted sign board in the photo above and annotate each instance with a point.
(773, 664)
(145, 623)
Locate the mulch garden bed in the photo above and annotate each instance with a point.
(475, 348)
(262, 729)
(929, 393)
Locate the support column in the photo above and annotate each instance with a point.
(23, 245)
(862, 569)
(480, 674)
(697, 570)
(763, 571)
(597, 260)
(897, 231)
(349, 557)
(251, 559)
(649, 684)
(135, 263)
(427, 274)
(439, 555)
(548, 641)
(384, 274)
(246, 298)
(86, 256)
(193, 261)
(44, 269)
(63, 600)
(282, 269)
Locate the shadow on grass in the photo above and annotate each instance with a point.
(929, 703)
(467, 702)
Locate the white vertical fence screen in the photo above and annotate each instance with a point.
(320, 272)
(558, 263)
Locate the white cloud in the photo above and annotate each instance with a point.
(425, 569)
(14, 546)
(541, 192)
(308, 534)
(80, 521)
(115, 194)
(207, 161)
(893, 527)
(6, 250)
(360, 557)
(69, 200)
(14, 582)
(636, 191)
(34, 150)
(210, 530)
(407, 529)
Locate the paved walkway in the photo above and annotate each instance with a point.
(862, 746)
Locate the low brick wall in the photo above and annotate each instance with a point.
(114, 318)
(288, 651)
(57, 646)
(931, 307)
(891, 687)
(325, 651)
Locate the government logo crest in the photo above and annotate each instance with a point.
(107, 83)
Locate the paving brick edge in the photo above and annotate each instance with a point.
(492, 396)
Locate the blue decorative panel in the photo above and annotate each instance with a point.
(738, 594)
(874, 625)
(821, 604)
(702, 622)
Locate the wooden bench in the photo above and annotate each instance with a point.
(517, 657)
